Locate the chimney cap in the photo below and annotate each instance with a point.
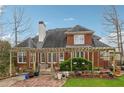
(41, 22)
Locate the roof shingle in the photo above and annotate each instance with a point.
(56, 38)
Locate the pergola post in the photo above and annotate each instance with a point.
(52, 64)
(92, 61)
(34, 63)
(10, 69)
(71, 61)
(98, 60)
(113, 62)
(84, 55)
(108, 57)
(88, 54)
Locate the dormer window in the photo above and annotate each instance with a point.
(78, 39)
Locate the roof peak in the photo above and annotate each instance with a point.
(79, 28)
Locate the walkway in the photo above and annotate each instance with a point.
(8, 82)
(41, 81)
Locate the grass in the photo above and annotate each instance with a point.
(94, 82)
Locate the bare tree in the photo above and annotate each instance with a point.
(113, 21)
(1, 23)
(20, 23)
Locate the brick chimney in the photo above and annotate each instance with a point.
(42, 31)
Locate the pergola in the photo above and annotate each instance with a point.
(71, 50)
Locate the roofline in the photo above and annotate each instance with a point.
(81, 32)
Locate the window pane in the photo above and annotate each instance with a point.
(54, 57)
(43, 57)
(82, 54)
(21, 57)
(61, 57)
(24, 59)
(77, 54)
(49, 57)
(78, 39)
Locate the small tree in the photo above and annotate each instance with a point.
(4, 57)
(18, 23)
(114, 24)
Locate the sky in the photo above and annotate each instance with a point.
(60, 16)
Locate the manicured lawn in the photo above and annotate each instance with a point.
(92, 82)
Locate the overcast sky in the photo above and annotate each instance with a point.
(63, 16)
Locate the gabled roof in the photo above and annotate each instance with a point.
(79, 28)
(96, 37)
(56, 38)
(28, 43)
(97, 43)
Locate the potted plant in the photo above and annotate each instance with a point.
(59, 75)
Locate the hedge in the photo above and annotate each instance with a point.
(78, 64)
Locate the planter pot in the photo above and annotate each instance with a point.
(36, 73)
(21, 77)
(67, 74)
(59, 75)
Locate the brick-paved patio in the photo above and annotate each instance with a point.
(8, 82)
(41, 81)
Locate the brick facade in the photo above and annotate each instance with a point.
(70, 39)
(87, 38)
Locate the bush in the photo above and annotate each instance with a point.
(78, 64)
(4, 57)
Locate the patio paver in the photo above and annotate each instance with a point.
(41, 81)
(8, 82)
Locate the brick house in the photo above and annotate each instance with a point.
(74, 37)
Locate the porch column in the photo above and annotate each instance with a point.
(10, 69)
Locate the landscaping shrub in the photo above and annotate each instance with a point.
(78, 64)
(4, 57)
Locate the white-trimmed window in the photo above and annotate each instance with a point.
(78, 54)
(21, 57)
(52, 57)
(49, 57)
(104, 55)
(33, 57)
(42, 57)
(78, 39)
(61, 57)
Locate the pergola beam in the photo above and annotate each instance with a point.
(59, 50)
